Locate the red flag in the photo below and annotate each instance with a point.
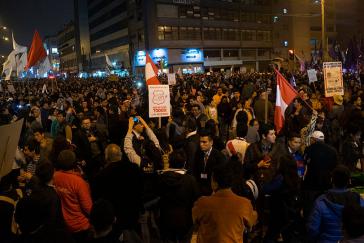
(151, 71)
(285, 95)
(36, 52)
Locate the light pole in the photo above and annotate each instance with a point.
(323, 32)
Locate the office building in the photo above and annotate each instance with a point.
(108, 29)
(51, 46)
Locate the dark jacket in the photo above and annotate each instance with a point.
(215, 159)
(254, 154)
(191, 146)
(321, 159)
(121, 184)
(178, 192)
(324, 224)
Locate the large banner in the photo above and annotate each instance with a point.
(159, 101)
(333, 78)
(9, 140)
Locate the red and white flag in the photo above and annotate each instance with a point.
(37, 52)
(151, 71)
(285, 95)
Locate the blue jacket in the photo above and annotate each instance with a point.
(324, 224)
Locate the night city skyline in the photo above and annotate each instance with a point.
(24, 16)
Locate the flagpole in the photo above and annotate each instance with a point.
(266, 106)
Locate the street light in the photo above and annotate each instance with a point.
(323, 31)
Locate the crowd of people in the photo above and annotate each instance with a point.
(91, 166)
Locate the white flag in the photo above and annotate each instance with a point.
(44, 67)
(18, 48)
(9, 65)
(21, 62)
(108, 62)
(44, 89)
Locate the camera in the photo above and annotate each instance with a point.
(135, 119)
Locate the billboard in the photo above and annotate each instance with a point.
(158, 55)
(192, 55)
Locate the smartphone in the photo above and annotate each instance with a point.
(135, 119)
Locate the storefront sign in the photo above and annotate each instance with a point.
(159, 101)
(333, 78)
(192, 55)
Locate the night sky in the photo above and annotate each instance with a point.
(24, 16)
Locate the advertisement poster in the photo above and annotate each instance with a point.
(159, 57)
(192, 55)
(333, 79)
(159, 101)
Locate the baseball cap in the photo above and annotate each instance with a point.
(318, 135)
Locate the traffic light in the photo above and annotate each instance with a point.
(291, 55)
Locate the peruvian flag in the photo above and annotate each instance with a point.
(151, 71)
(285, 95)
(36, 52)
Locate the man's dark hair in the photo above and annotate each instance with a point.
(293, 135)
(223, 176)
(66, 160)
(190, 124)
(177, 159)
(206, 133)
(341, 176)
(32, 145)
(241, 130)
(38, 129)
(242, 117)
(102, 215)
(265, 128)
(44, 172)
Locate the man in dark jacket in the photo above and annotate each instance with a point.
(320, 159)
(191, 143)
(120, 183)
(207, 158)
(260, 157)
(177, 191)
(324, 224)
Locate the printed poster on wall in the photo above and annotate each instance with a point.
(159, 101)
(333, 79)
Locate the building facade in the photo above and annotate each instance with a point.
(108, 28)
(67, 49)
(197, 34)
(51, 46)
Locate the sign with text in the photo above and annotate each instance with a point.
(333, 79)
(171, 78)
(192, 55)
(312, 76)
(159, 101)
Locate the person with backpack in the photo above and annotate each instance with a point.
(324, 224)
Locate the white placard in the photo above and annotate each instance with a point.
(333, 79)
(11, 88)
(159, 101)
(9, 140)
(312, 75)
(171, 78)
